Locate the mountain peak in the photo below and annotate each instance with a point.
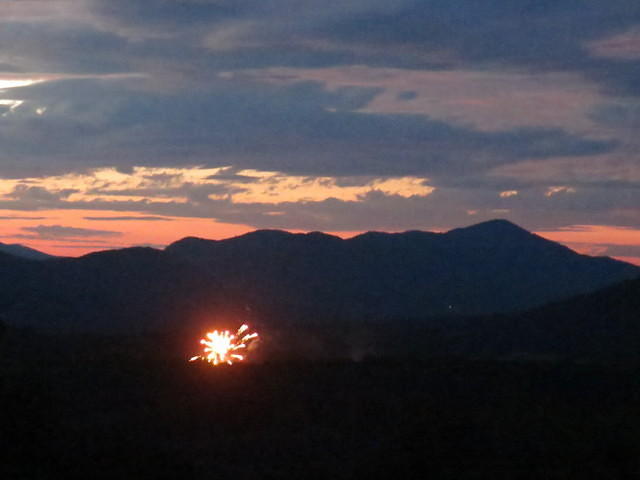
(267, 234)
(188, 241)
(492, 228)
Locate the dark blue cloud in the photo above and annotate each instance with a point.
(537, 32)
(408, 95)
(168, 15)
(299, 129)
(534, 35)
(152, 35)
(63, 48)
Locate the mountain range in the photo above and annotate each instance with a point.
(273, 276)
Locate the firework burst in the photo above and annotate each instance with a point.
(224, 347)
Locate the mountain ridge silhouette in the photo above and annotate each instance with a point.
(492, 267)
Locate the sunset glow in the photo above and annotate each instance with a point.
(599, 240)
(111, 229)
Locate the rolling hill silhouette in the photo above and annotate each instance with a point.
(600, 325)
(24, 252)
(491, 267)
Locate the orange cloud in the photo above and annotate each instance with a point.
(508, 193)
(164, 185)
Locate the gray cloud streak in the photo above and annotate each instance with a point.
(59, 232)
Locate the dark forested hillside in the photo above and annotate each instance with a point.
(604, 324)
(491, 267)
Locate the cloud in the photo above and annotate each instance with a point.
(168, 16)
(63, 47)
(622, 46)
(199, 185)
(622, 250)
(298, 129)
(36, 195)
(129, 218)
(59, 232)
(9, 68)
(173, 36)
(630, 252)
(487, 100)
(81, 245)
(508, 193)
(274, 199)
(18, 217)
(43, 10)
(559, 189)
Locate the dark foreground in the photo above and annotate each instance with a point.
(108, 409)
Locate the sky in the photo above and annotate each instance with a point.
(141, 122)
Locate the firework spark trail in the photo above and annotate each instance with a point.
(220, 347)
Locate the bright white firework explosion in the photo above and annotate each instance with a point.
(223, 347)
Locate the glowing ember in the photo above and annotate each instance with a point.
(222, 347)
